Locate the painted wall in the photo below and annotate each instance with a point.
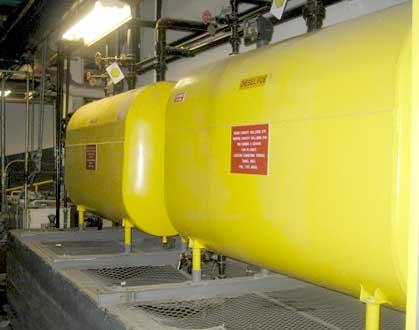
(15, 127)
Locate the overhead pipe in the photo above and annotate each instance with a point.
(148, 65)
(162, 26)
(197, 36)
(85, 91)
(257, 2)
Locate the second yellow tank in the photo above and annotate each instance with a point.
(115, 158)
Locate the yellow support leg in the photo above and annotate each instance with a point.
(373, 316)
(373, 302)
(196, 260)
(128, 235)
(81, 210)
(164, 240)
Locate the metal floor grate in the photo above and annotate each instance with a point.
(77, 248)
(341, 311)
(140, 275)
(305, 308)
(249, 312)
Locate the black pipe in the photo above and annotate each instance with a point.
(161, 40)
(148, 65)
(221, 263)
(58, 132)
(234, 23)
(257, 2)
(132, 46)
(64, 120)
(161, 66)
(195, 37)
(182, 25)
(173, 24)
(314, 13)
(159, 9)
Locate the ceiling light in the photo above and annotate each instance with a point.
(105, 16)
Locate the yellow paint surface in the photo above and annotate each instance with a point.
(333, 209)
(128, 130)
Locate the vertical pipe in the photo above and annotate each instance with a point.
(26, 166)
(159, 9)
(32, 115)
(314, 13)
(58, 133)
(3, 146)
(413, 245)
(107, 49)
(132, 47)
(161, 66)
(42, 102)
(160, 46)
(221, 263)
(64, 120)
(235, 37)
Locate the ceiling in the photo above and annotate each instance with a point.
(23, 24)
(7, 7)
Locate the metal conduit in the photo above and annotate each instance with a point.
(26, 166)
(3, 145)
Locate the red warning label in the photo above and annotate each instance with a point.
(249, 149)
(91, 157)
(179, 98)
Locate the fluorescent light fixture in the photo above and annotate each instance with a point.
(7, 92)
(105, 16)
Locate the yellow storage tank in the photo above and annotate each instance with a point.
(115, 158)
(293, 156)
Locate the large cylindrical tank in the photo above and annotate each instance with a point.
(292, 156)
(114, 158)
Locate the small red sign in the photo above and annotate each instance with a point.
(91, 157)
(249, 149)
(179, 98)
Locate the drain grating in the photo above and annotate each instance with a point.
(249, 312)
(77, 248)
(305, 308)
(140, 275)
